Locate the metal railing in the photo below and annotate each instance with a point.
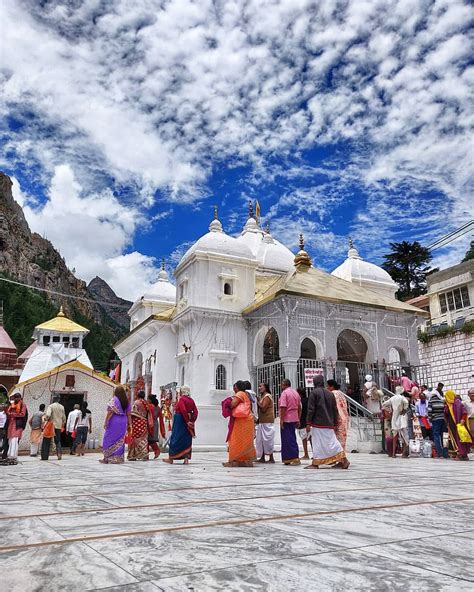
(272, 374)
(368, 425)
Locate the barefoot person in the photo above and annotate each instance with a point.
(140, 420)
(305, 437)
(322, 421)
(342, 426)
(290, 416)
(240, 444)
(183, 431)
(265, 439)
(116, 423)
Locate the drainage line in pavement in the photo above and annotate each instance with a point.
(201, 502)
(99, 537)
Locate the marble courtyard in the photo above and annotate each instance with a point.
(143, 527)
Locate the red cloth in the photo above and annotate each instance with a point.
(186, 407)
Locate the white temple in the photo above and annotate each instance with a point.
(247, 308)
(57, 342)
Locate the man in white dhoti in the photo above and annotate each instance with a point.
(265, 438)
(321, 421)
(399, 405)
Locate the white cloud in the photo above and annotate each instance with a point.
(91, 232)
(155, 95)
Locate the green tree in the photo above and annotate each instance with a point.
(408, 265)
(470, 253)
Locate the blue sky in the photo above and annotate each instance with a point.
(122, 124)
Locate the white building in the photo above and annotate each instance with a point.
(446, 345)
(57, 364)
(247, 308)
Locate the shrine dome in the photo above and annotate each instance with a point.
(271, 255)
(217, 242)
(163, 290)
(354, 269)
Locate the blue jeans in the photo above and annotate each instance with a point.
(438, 429)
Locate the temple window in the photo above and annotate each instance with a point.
(182, 290)
(46, 340)
(221, 378)
(228, 289)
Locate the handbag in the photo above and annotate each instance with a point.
(48, 431)
(243, 409)
(464, 434)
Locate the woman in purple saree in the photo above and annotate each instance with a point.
(115, 426)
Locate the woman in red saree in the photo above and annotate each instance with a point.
(140, 419)
(241, 448)
(183, 432)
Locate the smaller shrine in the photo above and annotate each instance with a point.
(10, 366)
(56, 363)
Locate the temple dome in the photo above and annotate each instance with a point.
(354, 269)
(217, 242)
(271, 255)
(163, 290)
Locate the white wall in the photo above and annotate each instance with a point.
(452, 361)
(98, 394)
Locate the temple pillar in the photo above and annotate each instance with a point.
(133, 386)
(148, 382)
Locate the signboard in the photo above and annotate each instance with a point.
(309, 374)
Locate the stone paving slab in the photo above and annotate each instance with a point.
(385, 524)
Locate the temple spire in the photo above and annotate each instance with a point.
(352, 253)
(215, 225)
(302, 259)
(251, 212)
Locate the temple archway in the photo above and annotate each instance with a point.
(271, 347)
(351, 347)
(308, 349)
(396, 355)
(352, 351)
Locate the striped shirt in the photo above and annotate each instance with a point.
(436, 407)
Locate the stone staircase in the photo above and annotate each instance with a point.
(365, 430)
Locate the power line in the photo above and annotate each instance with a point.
(83, 298)
(451, 236)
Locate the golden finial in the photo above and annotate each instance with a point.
(302, 259)
(251, 213)
(61, 311)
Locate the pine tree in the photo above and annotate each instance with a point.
(408, 265)
(470, 253)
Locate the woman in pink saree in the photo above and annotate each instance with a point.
(115, 426)
(342, 425)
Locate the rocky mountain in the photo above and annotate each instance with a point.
(29, 258)
(102, 292)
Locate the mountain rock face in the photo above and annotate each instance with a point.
(29, 258)
(102, 292)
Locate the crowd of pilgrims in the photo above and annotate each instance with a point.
(423, 421)
(412, 419)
